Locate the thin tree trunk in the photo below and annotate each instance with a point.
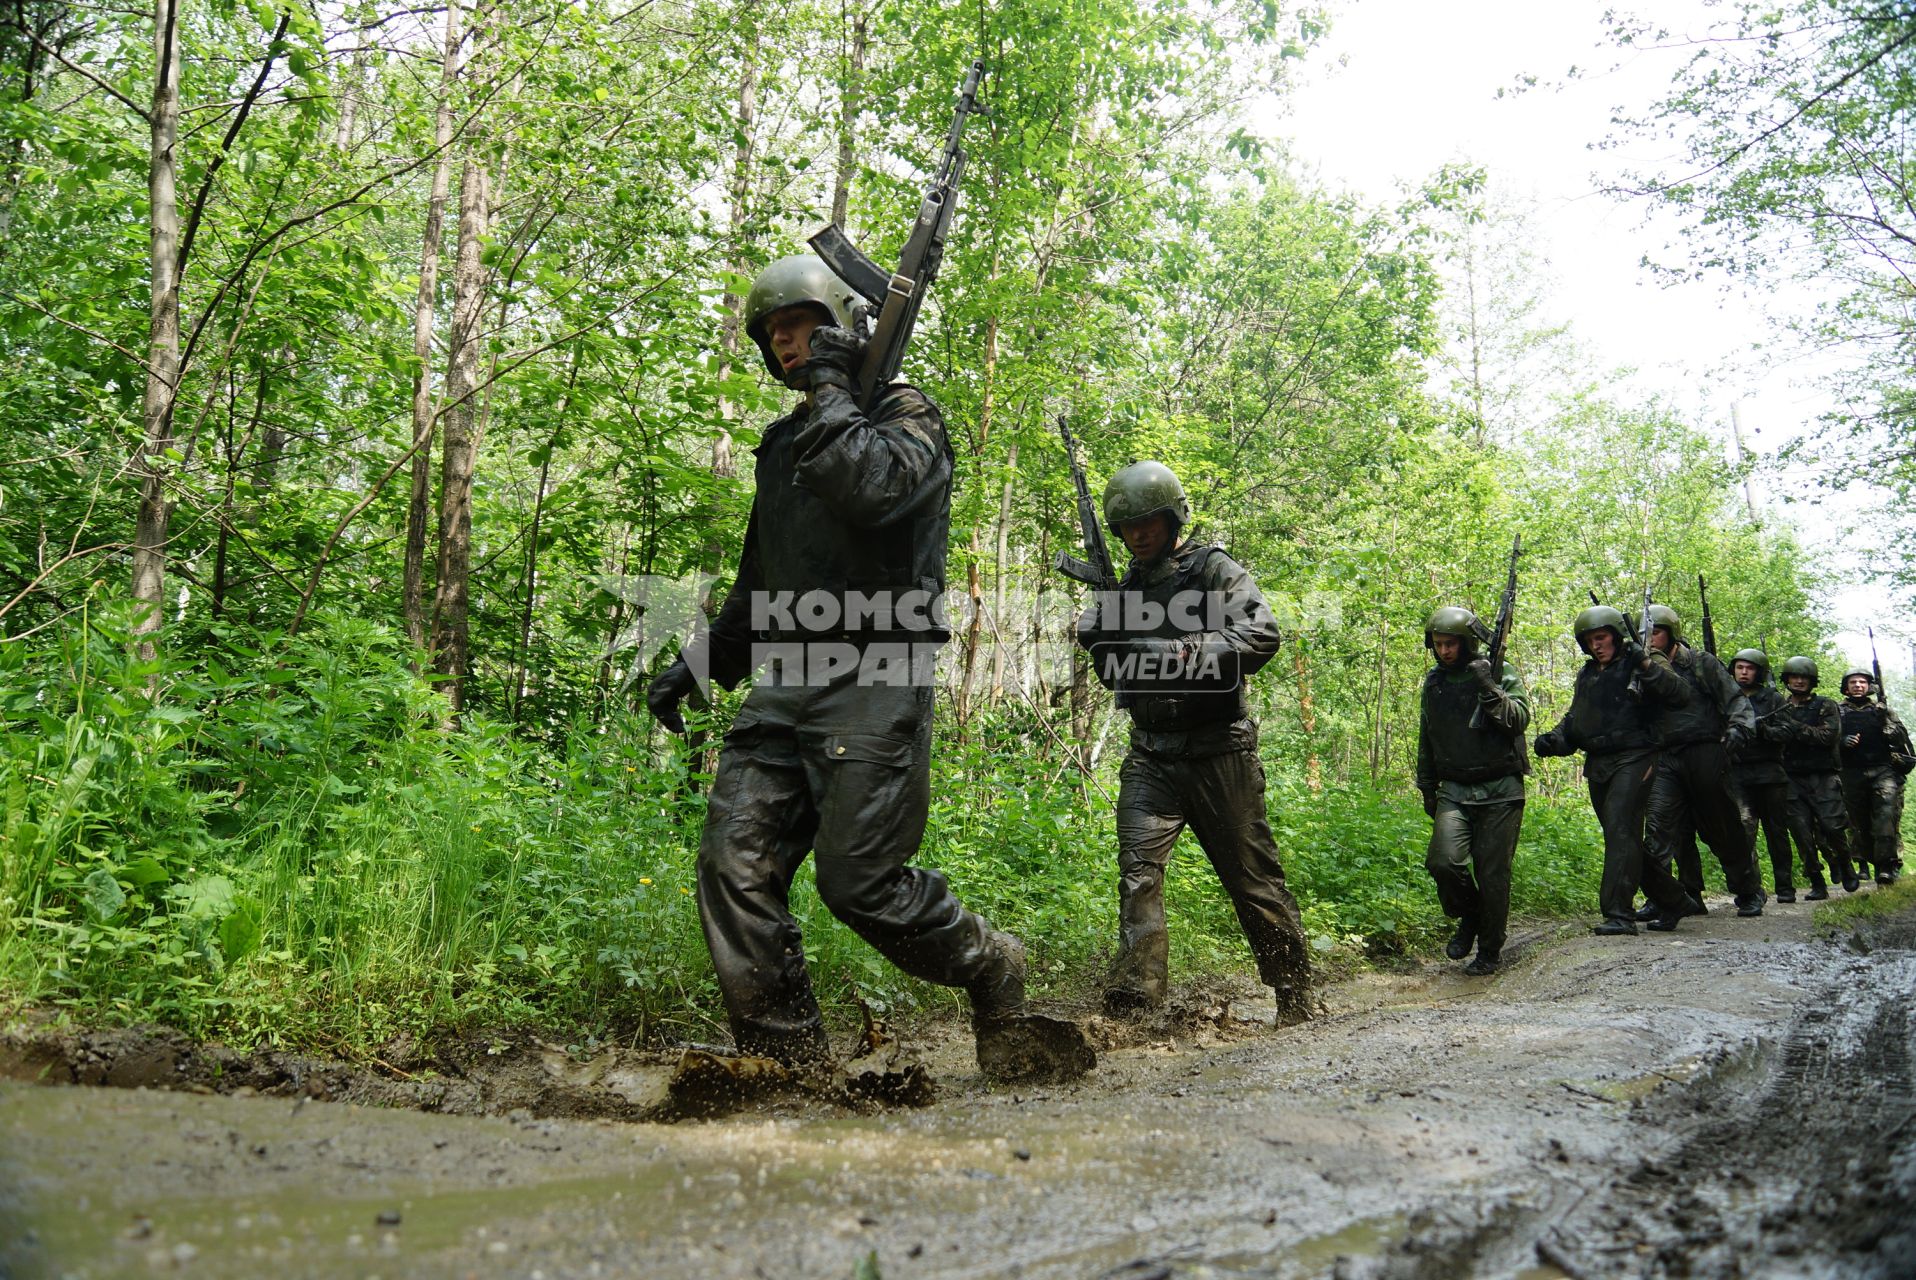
(163, 327)
(1307, 713)
(523, 648)
(452, 597)
(419, 511)
(1001, 575)
(850, 102)
(731, 330)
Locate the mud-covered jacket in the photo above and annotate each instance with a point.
(1178, 642)
(1696, 700)
(855, 508)
(1606, 713)
(1759, 758)
(1881, 731)
(1449, 750)
(1812, 744)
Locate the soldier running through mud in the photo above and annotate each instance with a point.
(1876, 758)
(1762, 786)
(1471, 764)
(1176, 642)
(1818, 821)
(1610, 724)
(830, 753)
(1701, 717)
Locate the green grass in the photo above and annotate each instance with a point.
(285, 846)
(1842, 914)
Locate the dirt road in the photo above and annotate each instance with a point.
(1734, 1099)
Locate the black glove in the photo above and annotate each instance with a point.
(666, 691)
(1737, 738)
(1632, 652)
(1480, 671)
(1551, 744)
(836, 355)
(1430, 802)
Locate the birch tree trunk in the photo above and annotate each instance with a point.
(163, 326)
(850, 101)
(419, 511)
(452, 598)
(743, 154)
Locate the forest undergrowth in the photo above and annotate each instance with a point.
(283, 844)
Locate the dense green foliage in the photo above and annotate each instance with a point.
(270, 824)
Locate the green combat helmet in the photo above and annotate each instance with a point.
(1756, 658)
(1662, 615)
(1145, 489)
(789, 282)
(1800, 666)
(1864, 672)
(1452, 620)
(1596, 618)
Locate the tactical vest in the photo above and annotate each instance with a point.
(1758, 750)
(1800, 755)
(1701, 720)
(1458, 752)
(804, 545)
(1872, 721)
(1183, 707)
(1605, 716)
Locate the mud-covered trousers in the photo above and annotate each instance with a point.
(1873, 795)
(1221, 798)
(1818, 821)
(1620, 793)
(844, 773)
(1766, 804)
(1693, 785)
(1469, 856)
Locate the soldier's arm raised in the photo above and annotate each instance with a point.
(1508, 705)
(871, 470)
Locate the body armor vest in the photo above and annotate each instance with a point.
(1605, 716)
(1872, 721)
(1458, 752)
(1800, 755)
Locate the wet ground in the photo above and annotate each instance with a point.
(1735, 1099)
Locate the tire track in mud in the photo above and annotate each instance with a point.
(1797, 1159)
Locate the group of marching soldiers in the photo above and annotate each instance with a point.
(1676, 746)
(829, 757)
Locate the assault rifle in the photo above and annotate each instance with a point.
(1709, 631)
(894, 297)
(1096, 570)
(1500, 634)
(1876, 669)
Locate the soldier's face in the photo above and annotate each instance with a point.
(1797, 684)
(1447, 648)
(1745, 673)
(1603, 646)
(1856, 687)
(1147, 537)
(1660, 639)
(788, 330)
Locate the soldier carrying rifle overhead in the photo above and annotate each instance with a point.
(830, 754)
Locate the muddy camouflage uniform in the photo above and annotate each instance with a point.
(1763, 788)
(1873, 772)
(1193, 761)
(1817, 816)
(1609, 723)
(1472, 780)
(1700, 714)
(843, 503)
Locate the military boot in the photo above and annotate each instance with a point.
(1485, 964)
(1016, 1046)
(1463, 940)
(1293, 1003)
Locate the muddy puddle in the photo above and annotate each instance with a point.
(1736, 1099)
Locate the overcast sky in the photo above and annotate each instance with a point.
(1402, 87)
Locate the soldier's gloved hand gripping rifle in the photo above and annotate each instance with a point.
(894, 297)
(1500, 634)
